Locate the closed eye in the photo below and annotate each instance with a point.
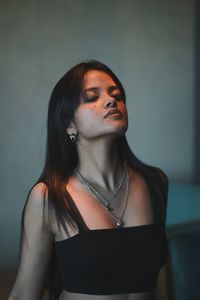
(117, 96)
(115, 93)
(92, 94)
(90, 98)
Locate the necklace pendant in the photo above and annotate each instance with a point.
(119, 223)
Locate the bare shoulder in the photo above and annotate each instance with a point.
(138, 182)
(36, 205)
(38, 195)
(74, 184)
(140, 198)
(141, 188)
(39, 190)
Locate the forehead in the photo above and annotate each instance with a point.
(95, 78)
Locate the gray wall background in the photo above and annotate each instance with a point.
(148, 44)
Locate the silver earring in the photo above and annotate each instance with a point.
(73, 137)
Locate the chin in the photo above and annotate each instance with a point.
(120, 130)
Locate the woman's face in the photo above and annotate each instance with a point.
(100, 96)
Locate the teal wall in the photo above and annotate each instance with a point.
(150, 46)
(183, 229)
(183, 204)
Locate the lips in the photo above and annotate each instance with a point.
(113, 111)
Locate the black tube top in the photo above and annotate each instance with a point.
(112, 261)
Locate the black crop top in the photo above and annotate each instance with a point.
(112, 261)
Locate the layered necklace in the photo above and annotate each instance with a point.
(104, 201)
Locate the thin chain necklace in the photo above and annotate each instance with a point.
(106, 203)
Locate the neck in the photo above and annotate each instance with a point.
(99, 162)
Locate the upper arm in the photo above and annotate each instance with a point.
(164, 286)
(36, 248)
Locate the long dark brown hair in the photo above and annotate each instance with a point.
(62, 157)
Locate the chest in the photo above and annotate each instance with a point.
(134, 210)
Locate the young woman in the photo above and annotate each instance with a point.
(93, 226)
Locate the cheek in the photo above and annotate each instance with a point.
(86, 118)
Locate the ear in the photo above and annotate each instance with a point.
(71, 128)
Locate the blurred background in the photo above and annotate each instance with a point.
(153, 47)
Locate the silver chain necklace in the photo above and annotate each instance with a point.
(106, 203)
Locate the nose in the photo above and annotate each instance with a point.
(111, 102)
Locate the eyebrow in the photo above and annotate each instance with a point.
(96, 89)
